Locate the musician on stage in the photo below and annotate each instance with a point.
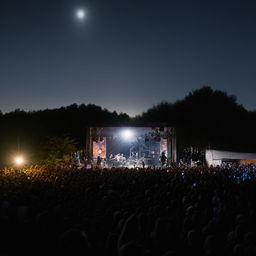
(163, 158)
(99, 159)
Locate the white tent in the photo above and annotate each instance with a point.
(216, 157)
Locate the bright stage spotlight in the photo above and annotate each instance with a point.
(19, 160)
(127, 134)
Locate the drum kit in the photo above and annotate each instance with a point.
(120, 161)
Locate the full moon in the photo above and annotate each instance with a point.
(80, 14)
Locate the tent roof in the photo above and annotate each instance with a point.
(218, 155)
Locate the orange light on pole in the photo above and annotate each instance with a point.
(19, 160)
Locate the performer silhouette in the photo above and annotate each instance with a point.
(163, 158)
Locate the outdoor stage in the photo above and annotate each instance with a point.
(131, 146)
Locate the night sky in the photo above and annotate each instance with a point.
(126, 55)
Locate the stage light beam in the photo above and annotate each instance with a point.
(127, 134)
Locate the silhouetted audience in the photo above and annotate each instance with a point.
(127, 212)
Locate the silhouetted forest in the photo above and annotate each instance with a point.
(205, 118)
(29, 132)
(208, 118)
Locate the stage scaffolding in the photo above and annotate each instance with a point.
(95, 134)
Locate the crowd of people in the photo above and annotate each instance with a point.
(128, 212)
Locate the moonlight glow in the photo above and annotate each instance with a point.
(80, 14)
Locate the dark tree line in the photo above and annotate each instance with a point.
(208, 118)
(32, 130)
(204, 118)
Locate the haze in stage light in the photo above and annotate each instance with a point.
(127, 135)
